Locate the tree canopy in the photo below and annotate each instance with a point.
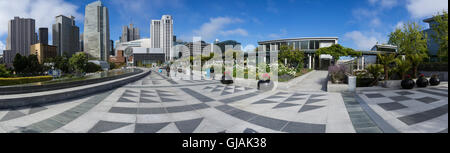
(337, 51)
(79, 62)
(441, 34)
(409, 39)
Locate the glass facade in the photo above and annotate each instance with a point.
(301, 45)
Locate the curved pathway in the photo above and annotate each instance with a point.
(315, 82)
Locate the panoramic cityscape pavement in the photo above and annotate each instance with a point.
(156, 104)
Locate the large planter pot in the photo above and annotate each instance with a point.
(226, 80)
(408, 84)
(422, 82)
(434, 81)
(265, 85)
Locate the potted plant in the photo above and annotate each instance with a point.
(226, 78)
(422, 81)
(434, 80)
(264, 83)
(408, 83)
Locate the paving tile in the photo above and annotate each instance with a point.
(240, 114)
(123, 110)
(104, 126)
(188, 126)
(149, 128)
(424, 116)
(400, 98)
(298, 127)
(392, 106)
(427, 100)
(271, 123)
(142, 111)
(403, 93)
(374, 95)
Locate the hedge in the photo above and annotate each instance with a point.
(438, 66)
(23, 80)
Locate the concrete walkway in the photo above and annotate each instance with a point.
(315, 82)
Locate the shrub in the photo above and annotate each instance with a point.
(337, 73)
(4, 72)
(441, 66)
(23, 80)
(92, 67)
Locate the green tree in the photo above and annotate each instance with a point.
(20, 63)
(27, 66)
(409, 39)
(441, 34)
(337, 51)
(33, 66)
(403, 66)
(386, 60)
(416, 60)
(294, 57)
(62, 63)
(79, 62)
(4, 72)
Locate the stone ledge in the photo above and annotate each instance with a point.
(7, 90)
(77, 92)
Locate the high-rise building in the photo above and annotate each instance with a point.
(129, 33)
(43, 51)
(111, 49)
(96, 31)
(162, 35)
(43, 36)
(21, 35)
(81, 43)
(66, 35)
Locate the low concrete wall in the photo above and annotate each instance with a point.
(50, 98)
(7, 90)
(336, 87)
(443, 76)
(395, 84)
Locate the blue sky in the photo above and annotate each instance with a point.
(359, 24)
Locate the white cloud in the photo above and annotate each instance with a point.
(375, 22)
(249, 48)
(384, 3)
(364, 42)
(217, 25)
(43, 11)
(399, 25)
(238, 31)
(283, 32)
(426, 8)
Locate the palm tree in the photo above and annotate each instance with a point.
(386, 60)
(416, 60)
(375, 70)
(403, 66)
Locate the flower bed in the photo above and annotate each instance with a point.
(23, 80)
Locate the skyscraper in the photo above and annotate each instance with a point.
(162, 35)
(129, 33)
(96, 31)
(43, 36)
(21, 35)
(66, 35)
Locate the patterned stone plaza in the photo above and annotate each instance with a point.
(156, 104)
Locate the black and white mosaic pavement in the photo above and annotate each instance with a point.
(156, 104)
(418, 110)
